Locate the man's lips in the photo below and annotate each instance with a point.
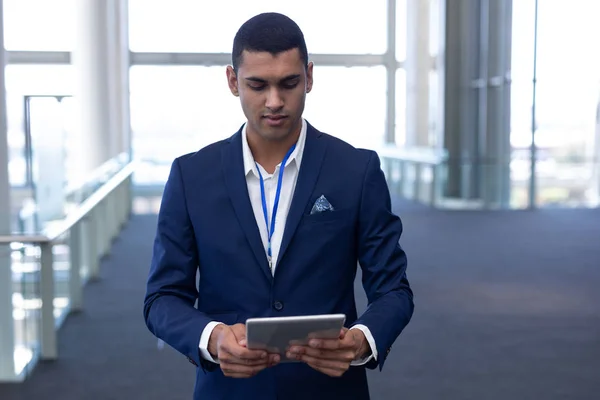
(275, 120)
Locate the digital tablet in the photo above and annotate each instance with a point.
(276, 334)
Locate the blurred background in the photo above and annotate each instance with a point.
(485, 114)
(458, 78)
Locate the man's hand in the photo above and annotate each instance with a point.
(228, 345)
(333, 356)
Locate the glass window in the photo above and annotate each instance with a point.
(349, 103)
(436, 102)
(401, 107)
(435, 23)
(209, 27)
(39, 25)
(401, 29)
(522, 63)
(177, 110)
(566, 103)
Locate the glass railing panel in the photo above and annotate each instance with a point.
(26, 300)
(62, 271)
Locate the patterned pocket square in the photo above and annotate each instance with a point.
(321, 205)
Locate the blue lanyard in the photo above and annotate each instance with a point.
(271, 229)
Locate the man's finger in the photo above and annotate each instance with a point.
(346, 341)
(329, 367)
(329, 344)
(339, 355)
(242, 353)
(239, 330)
(274, 359)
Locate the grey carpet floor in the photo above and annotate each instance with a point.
(507, 307)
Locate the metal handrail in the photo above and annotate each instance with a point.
(78, 214)
(92, 224)
(96, 174)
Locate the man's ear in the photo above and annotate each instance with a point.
(309, 77)
(232, 81)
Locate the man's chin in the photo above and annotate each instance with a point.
(275, 134)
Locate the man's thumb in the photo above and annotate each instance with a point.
(240, 335)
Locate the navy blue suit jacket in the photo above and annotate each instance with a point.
(206, 222)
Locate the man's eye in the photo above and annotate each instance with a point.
(290, 85)
(257, 87)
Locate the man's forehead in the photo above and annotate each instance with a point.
(270, 65)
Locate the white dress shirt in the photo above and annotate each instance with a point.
(288, 185)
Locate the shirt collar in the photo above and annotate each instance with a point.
(295, 157)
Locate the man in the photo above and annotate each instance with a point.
(275, 219)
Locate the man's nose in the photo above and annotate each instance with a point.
(274, 100)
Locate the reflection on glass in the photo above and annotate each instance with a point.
(47, 154)
(47, 159)
(28, 80)
(339, 26)
(39, 25)
(177, 110)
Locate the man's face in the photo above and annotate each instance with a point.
(272, 90)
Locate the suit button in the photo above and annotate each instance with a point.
(278, 306)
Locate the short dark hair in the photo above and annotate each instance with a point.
(270, 32)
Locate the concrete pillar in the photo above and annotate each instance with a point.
(7, 340)
(90, 57)
(459, 107)
(101, 61)
(495, 179)
(477, 100)
(595, 159)
(418, 67)
(118, 75)
(390, 65)
(121, 11)
(111, 31)
(438, 76)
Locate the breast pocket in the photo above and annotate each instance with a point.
(329, 217)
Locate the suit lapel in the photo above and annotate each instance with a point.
(233, 167)
(312, 158)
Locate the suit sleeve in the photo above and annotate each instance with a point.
(171, 290)
(383, 263)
